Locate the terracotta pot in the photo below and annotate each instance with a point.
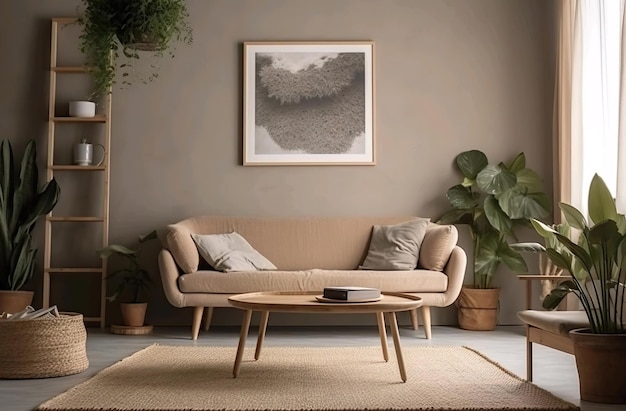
(601, 363)
(478, 308)
(133, 314)
(14, 301)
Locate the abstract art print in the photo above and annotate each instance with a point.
(308, 103)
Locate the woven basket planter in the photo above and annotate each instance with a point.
(43, 347)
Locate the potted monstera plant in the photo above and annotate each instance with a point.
(22, 202)
(492, 200)
(116, 33)
(132, 281)
(597, 264)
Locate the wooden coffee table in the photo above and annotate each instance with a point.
(305, 302)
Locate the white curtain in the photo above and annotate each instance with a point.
(590, 118)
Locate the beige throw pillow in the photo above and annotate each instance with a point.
(395, 247)
(230, 252)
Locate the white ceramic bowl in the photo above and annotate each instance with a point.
(82, 109)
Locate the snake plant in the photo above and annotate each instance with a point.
(21, 205)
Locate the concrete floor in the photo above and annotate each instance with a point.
(554, 371)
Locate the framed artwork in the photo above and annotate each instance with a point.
(308, 103)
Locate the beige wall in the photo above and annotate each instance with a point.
(450, 76)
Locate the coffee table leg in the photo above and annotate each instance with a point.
(393, 323)
(262, 326)
(245, 325)
(383, 334)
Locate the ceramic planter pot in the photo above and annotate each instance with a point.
(133, 314)
(14, 301)
(601, 363)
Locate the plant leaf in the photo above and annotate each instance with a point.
(524, 205)
(573, 217)
(495, 180)
(528, 247)
(456, 217)
(557, 294)
(471, 162)
(518, 163)
(462, 197)
(496, 217)
(529, 179)
(601, 202)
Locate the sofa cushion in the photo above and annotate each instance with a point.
(425, 281)
(396, 246)
(230, 252)
(438, 243)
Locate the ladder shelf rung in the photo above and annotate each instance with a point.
(70, 69)
(70, 167)
(75, 219)
(72, 270)
(100, 118)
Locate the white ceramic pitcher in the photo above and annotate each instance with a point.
(83, 153)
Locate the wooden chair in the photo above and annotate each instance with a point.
(549, 328)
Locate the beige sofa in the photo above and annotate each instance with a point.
(310, 254)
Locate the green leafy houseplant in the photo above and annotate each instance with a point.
(120, 28)
(21, 205)
(132, 276)
(492, 200)
(597, 261)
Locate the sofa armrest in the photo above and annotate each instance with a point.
(169, 278)
(455, 270)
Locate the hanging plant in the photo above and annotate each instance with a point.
(116, 32)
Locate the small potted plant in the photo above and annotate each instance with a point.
(491, 200)
(597, 264)
(116, 32)
(132, 278)
(20, 208)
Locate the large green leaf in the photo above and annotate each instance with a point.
(542, 229)
(524, 205)
(601, 202)
(578, 252)
(493, 250)
(115, 249)
(456, 216)
(518, 163)
(462, 197)
(560, 259)
(495, 180)
(528, 247)
(573, 217)
(471, 162)
(496, 217)
(557, 294)
(530, 180)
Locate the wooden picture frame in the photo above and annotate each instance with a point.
(308, 103)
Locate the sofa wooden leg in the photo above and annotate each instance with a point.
(208, 314)
(197, 319)
(426, 319)
(414, 321)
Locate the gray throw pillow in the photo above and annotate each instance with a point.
(395, 247)
(230, 252)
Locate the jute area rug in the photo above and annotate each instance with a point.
(305, 378)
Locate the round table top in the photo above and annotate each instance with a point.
(290, 301)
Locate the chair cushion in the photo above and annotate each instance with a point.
(437, 246)
(557, 322)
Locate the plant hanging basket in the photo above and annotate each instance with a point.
(43, 347)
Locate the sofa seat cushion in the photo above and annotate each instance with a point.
(311, 280)
(557, 322)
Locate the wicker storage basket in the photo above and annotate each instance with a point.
(43, 347)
